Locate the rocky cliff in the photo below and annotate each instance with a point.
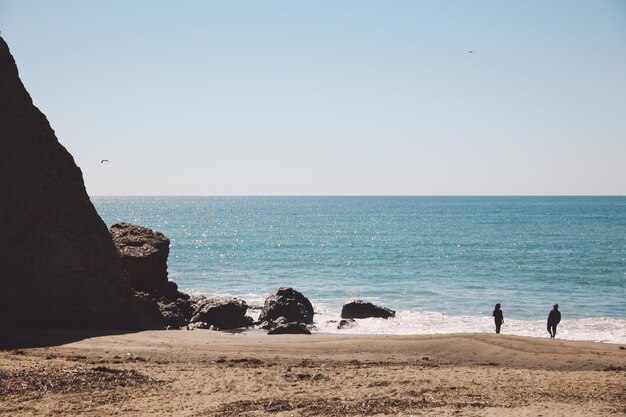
(58, 265)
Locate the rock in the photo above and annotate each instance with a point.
(346, 324)
(222, 313)
(164, 313)
(170, 292)
(58, 265)
(186, 307)
(287, 303)
(359, 309)
(282, 326)
(150, 310)
(144, 255)
(172, 316)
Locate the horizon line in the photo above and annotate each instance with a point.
(356, 195)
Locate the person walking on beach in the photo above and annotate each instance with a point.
(554, 318)
(498, 318)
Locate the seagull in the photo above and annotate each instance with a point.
(104, 160)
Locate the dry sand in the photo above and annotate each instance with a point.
(206, 373)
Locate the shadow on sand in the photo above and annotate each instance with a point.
(34, 338)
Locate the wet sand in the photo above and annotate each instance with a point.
(203, 372)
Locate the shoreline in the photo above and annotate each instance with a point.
(42, 337)
(205, 372)
(419, 322)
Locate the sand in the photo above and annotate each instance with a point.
(206, 373)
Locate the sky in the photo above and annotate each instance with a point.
(331, 97)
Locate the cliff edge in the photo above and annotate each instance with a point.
(58, 264)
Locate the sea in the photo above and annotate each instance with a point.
(441, 263)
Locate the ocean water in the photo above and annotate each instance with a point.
(441, 262)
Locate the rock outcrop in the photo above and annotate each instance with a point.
(287, 303)
(359, 309)
(144, 255)
(58, 265)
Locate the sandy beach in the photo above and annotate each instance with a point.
(203, 372)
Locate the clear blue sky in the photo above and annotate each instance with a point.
(331, 97)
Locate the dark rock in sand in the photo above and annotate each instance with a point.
(150, 309)
(176, 313)
(359, 309)
(287, 303)
(58, 265)
(222, 313)
(282, 326)
(186, 307)
(144, 255)
(164, 313)
(172, 316)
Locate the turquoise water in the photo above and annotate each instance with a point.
(442, 262)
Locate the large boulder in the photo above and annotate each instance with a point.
(58, 265)
(287, 303)
(144, 255)
(359, 309)
(222, 313)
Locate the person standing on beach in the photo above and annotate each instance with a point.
(554, 318)
(498, 318)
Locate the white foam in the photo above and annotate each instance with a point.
(602, 329)
(409, 322)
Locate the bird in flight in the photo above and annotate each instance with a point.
(470, 52)
(104, 160)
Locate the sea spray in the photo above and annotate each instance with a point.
(601, 329)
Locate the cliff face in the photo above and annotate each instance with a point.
(58, 264)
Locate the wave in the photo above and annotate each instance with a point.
(601, 329)
(411, 322)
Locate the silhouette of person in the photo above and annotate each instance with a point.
(498, 318)
(554, 318)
